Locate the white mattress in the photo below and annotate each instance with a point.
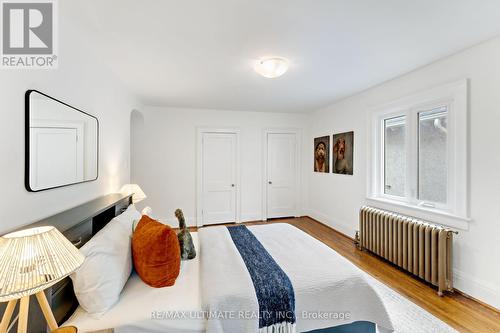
(139, 303)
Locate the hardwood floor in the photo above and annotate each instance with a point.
(460, 312)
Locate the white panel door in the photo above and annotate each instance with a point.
(219, 177)
(56, 156)
(281, 175)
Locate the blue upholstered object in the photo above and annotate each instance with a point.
(273, 287)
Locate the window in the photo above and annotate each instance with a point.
(432, 155)
(395, 156)
(419, 158)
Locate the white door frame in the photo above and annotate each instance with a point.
(199, 170)
(298, 159)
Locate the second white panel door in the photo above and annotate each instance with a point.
(281, 174)
(219, 177)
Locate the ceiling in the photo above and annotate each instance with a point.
(201, 54)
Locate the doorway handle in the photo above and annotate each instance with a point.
(270, 182)
(232, 185)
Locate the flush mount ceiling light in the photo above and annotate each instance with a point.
(271, 67)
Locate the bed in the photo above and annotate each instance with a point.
(216, 280)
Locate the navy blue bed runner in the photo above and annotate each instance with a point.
(273, 287)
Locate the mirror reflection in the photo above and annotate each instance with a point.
(63, 143)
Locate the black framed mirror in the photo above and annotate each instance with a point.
(62, 143)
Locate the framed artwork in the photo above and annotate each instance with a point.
(343, 153)
(322, 154)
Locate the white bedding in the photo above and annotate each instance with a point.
(139, 303)
(324, 282)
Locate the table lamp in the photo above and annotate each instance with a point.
(32, 260)
(135, 190)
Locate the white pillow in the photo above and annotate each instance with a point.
(147, 211)
(107, 266)
(129, 216)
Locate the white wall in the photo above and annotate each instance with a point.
(336, 199)
(81, 81)
(163, 154)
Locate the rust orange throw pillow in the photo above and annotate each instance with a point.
(156, 253)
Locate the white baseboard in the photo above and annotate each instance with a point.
(481, 290)
(341, 226)
(251, 217)
(191, 221)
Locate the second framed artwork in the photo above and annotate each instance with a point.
(342, 154)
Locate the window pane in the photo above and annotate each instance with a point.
(432, 155)
(395, 156)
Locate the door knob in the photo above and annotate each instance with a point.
(232, 185)
(270, 182)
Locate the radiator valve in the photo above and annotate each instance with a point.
(356, 240)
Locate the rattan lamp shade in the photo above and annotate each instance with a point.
(32, 260)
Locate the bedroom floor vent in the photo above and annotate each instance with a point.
(419, 247)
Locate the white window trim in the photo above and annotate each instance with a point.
(455, 96)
